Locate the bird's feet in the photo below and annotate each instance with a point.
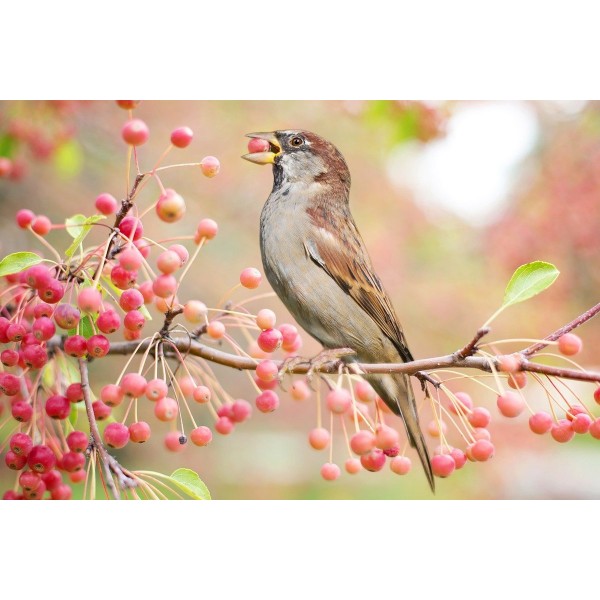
(332, 356)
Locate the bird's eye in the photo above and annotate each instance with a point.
(296, 141)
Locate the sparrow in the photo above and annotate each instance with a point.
(317, 263)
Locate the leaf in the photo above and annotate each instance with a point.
(78, 226)
(17, 262)
(86, 328)
(68, 158)
(528, 281)
(189, 482)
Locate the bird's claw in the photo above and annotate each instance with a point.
(334, 356)
(287, 366)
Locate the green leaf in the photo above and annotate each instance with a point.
(8, 145)
(189, 482)
(78, 226)
(528, 281)
(68, 158)
(86, 328)
(17, 262)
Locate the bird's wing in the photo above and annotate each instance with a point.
(350, 267)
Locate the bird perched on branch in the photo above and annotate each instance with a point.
(317, 263)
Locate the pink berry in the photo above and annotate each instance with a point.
(443, 465)
(52, 292)
(123, 279)
(24, 217)
(201, 394)
(374, 461)
(215, 329)
(139, 432)
(131, 299)
(101, 411)
(562, 431)
(364, 392)
(338, 401)
(74, 393)
(464, 403)
(76, 346)
(130, 259)
(330, 472)
(156, 389)
(268, 401)
(509, 363)
(540, 423)
(9, 384)
(29, 480)
(195, 311)
(166, 409)
(173, 441)
(266, 319)
(581, 423)
(510, 404)
(258, 145)
(460, 458)
(250, 278)
(168, 262)
(164, 286)
(210, 166)
(435, 428)
(108, 321)
(42, 310)
(481, 433)
(89, 300)
(34, 356)
(170, 206)
(21, 443)
(240, 411)
(300, 390)
(362, 442)
(267, 370)
(98, 346)
(517, 380)
(597, 395)
(106, 204)
(77, 441)
(131, 227)
(482, 450)
(41, 225)
(319, 438)
(21, 411)
(41, 459)
(58, 407)
(43, 329)
(201, 436)
(182, 137)
(386, 437)
(595, 429)
(134, 320)
(9, 358)
(133, 385)
(569, 344)
(182, 252)
(66, 316)
(269, 340)
(146, 291)
(479, 417)
(52, 479)
(116, 435)
(224, 425)
(135, 132)
(208, 229)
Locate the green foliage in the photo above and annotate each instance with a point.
(189, 483)
(528, 281)
(17, 262)
(68, 158)
(78, 226)
(85, 327)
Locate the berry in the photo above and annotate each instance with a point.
(300, 390)
(517, 380)
(436, 428)
(21, 443)
(66, 316)
(166, 409)
(61, 492)
(9, 384)
(479, 417)
(597, 395)
(442, 465)
(36, 277)
(267, 370)
(15, 332)
(41, 459)
(201, 436)
(210, 166)
(74, 392)
(106, 204)
(182, 137)
(170, 206)
(135, 132)
(116, 435)
(41, 225)
(463, 403)
(156, 389)
(581, 423)
(562, 431)
(266, 319)
(77, 476)
(509, 363)
(168, 262)
(258, 145)
(134, 320)
(77, 441)
(108, 321)
(9, 358)
(52, 479)
(460, 458)
(52, 292)
(482, 450)
(240, 411)
(362, 442)
(364, 392)
(224, 425)
(98, 346)
(201, 394)
(132, 228)
(386, 437)
(58, 407)
(400, 465)
(111, 394)
(76, 346)
(123, 279)
(268, 401)
(595, 429)
(42, 310)
(34, 356)
(89, 300)
(15, 461)
(37, 493)
(195, 311)
(22, 411)
(72, 461)
(43, 329)
(319, 438)
(374, 461)
(101, 411)
(164, 286)
(208, 229)
(330, 472)
(569, 344)
(510, 404)
(250, 278)
(130, 259)
(540, 423)
(269, 340)
(24, 216)
(133, 385)
(139, 432)
(173, 441)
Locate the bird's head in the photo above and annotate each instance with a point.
(301, 156)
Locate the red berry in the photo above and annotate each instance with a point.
(210, 166)
(479, 417)
(16, 332)
(250, 278)
(173, 441)
(224, 425)
(22, 411)
(139, 432)
(98, 346)
(134, 320)
(108, 321)
(267, 370)
(10, 384)
(42, 310)
(374, 461)
(35, 494)
(362, 442)
(43, 329)
(581, 423)
(510, 404)
(106, 204)
(58, 407)
(76, 346)
(34, 356)
(133, 385)
(41, 459)
(101, 411)
(15, 461)
(182, 137)
(135, 132)
(61, 492)
(258, 145)
(52, 479)
(562, 431)
(132, 228)
(201, 436)
(540, 423)
(111, 394)
(569, 344)
(72, 461)
(319, 438)
(330, 471)
(207, 228)
(66, 316)
(442, 465)
(482, 450)
(21, 443)
(268, 401)
(77, 441)
(52, 292)
(24, 216)
(170, 206)
(41, 225)
(116, 435)
(269, 340)
(130, 259)
(74, 392)
(9, 358)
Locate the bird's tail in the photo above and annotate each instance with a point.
(396, 391)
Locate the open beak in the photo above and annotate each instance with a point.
(267, 157)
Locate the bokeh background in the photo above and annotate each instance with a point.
(450, 198)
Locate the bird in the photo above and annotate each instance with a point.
(317, 263)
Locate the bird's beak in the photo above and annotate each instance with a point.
(267, 157)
